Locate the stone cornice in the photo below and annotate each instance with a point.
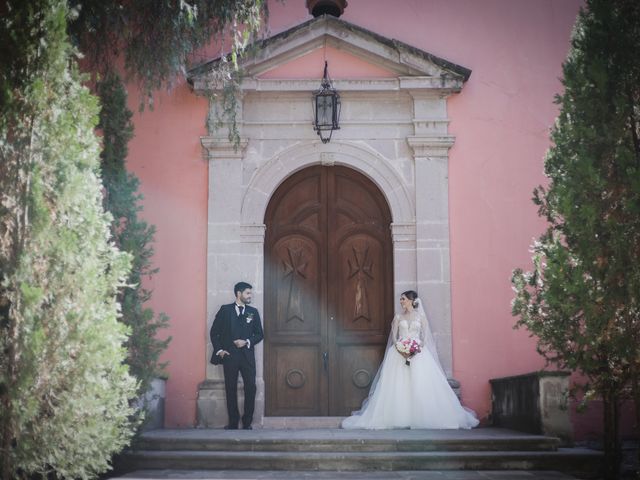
(441, 84)
(221, 148)
(403, 232)
(252, 233)
(435, 86)
(431, 146)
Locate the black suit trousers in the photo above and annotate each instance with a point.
(240, 362)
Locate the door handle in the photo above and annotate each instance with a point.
(325, 360)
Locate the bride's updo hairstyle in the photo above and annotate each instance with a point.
(411, 295)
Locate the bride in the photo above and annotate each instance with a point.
(411, 392)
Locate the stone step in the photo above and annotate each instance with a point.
(301, 422)
(356, 450)
(583, 463)
(343, 441)
(319, 475)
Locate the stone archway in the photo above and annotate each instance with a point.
(355, 155)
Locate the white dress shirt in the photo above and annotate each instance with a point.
(238, 313)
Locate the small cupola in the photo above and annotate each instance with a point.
(318, 8)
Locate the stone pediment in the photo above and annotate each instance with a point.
(404, 66)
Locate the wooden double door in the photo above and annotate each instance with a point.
(328, 291)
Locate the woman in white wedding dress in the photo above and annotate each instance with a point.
(416, 395)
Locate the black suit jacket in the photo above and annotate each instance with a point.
(227, 327)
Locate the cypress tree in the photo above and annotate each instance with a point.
(131, 234)
(582, 298)
(64, 388)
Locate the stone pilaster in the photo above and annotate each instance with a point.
(405, 277)
(430, 145)
(226, 251)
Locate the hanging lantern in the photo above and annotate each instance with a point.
(326, 104)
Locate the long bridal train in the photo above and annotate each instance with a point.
(411, 396)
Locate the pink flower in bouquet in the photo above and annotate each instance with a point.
(408, 347)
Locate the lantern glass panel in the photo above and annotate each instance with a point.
(324, 111)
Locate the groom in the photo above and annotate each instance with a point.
(235, 332)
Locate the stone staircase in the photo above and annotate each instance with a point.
(356, 450)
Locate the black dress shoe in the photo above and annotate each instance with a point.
(247, 427)
(230, 427)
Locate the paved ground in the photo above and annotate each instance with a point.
(424, 475)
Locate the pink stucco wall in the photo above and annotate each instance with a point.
(167, 156)
(501, 121)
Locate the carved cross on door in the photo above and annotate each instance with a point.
(360, 268)
(295, 266)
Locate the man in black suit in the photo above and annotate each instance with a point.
(235, 332)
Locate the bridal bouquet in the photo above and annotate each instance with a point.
(408, 348)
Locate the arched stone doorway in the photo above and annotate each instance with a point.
(328, 291)
(394, 132)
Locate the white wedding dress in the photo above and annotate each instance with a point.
(411, 396)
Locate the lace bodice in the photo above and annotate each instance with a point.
(409, 325)
(409, 328)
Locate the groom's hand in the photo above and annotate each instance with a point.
(222, 353)
(240, 343)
